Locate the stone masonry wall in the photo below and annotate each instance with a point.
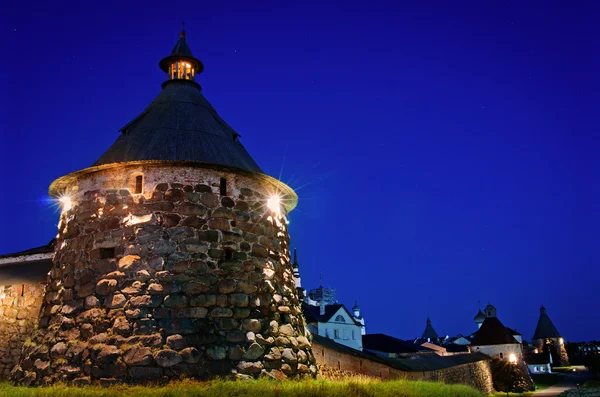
(176, 282)
(19, 308)
(337, 364)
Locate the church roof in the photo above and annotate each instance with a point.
(429, 332)
(492, 332)
(479, 317)
(313, 313)
(545, 328)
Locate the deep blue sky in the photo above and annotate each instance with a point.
(444, 152)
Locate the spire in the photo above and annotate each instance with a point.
(429, 332)
(295, 265)
(181, 64)
(355, 308)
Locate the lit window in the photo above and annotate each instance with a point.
(340, 319)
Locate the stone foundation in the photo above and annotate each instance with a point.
(19, 308)
(179, 281)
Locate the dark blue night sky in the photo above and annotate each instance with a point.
(444, 152)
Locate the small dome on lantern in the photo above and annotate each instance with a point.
(181, 64)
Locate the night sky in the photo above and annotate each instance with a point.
(444, 153)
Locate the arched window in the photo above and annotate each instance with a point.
(340, 319)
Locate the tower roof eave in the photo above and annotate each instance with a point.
(289, 197)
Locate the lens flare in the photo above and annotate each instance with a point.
(65, 202)
(274, 204)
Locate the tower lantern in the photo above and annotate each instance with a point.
(181, 64)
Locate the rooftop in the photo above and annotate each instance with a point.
(545, 327)
(492, 332)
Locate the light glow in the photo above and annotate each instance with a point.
(561, 340)
(65, 202)
(512, 358)
(274, 204)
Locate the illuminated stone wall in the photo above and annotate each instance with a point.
(338, 364)
(176, 281)
(19, 308)
(556, 347)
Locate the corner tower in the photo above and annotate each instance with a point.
(547, 338)
(172, 256)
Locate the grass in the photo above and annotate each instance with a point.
(354, 387)
(544, 381)
(592, 384)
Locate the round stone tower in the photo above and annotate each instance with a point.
(172, 256)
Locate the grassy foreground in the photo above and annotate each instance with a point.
(358, 387)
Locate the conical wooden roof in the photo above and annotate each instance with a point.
(429, 332)
(545, 328)
(492, 332)
(180, 125)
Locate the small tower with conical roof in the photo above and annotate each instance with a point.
(429, 333)
(172, 256)
(547, 337)
(358, 318)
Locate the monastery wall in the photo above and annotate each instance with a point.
(337, 364)
(19, 308)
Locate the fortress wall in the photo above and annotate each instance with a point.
(335, 363)
(19, 308)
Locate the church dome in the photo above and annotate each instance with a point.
(479, 317)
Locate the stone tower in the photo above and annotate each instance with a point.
(547, 337)
(172, 256)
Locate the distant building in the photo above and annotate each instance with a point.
(494, 339)
(460, 340)
(589, 348)
(431, 336)
(547, 337)
(334, 322)
(539, 363)
(388, 346)
(358, 318)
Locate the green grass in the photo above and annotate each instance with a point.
(544, 381)
(355, 387)
(592, 384)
